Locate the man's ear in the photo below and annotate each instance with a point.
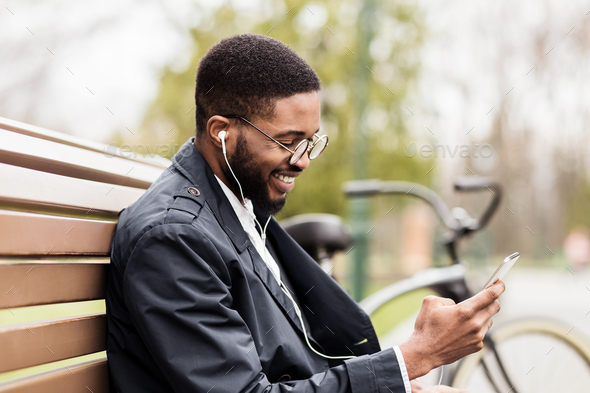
(215, 125)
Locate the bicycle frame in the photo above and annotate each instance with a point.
(451, 277)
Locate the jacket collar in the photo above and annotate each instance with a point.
(192, 165)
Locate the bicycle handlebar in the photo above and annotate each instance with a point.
(477, 184)
(359, 188)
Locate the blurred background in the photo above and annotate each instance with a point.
(422, 91)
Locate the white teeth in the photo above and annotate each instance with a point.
(286, 179)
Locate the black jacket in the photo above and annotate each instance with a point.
(191, 306)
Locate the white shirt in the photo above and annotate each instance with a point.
(247, 218)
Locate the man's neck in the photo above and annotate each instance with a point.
(216, 162)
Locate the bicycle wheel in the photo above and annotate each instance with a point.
(538, 356)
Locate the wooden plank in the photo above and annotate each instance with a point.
(37, 234)
(31, 190)
(91, 376)
(70, 140)
(60, 260)
(31, 344)
(34, 284)
(29, 152)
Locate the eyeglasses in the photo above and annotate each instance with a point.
(314, 148)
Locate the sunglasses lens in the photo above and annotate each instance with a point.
(299, 151)
(319, 147)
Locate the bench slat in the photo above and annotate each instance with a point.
(29, 189)
(22, 285)
(29, 152)
(34, 343)
(91, 376)
(59, 260)
(37, 234)
(70, 140)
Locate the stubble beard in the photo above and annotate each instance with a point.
(254, 185)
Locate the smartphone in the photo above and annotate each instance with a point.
(501, 271)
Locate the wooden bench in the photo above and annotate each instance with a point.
(59, 202)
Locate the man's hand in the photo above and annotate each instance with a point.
(419, 387)
(445, 332)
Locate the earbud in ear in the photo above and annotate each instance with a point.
(221, 136)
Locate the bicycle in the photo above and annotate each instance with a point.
(510, 348)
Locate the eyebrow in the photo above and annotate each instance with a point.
(292, 132)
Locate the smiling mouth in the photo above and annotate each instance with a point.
(283, 178)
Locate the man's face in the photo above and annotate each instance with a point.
(261, 165)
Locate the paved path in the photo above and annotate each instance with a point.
(558, 294)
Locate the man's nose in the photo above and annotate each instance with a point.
(303, 161)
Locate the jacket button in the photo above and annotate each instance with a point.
(194, 191)
(284, 378)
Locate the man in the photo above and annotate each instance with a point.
(207, 293)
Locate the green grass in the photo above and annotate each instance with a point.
(49, 311)
(391, 314)
(49, 366)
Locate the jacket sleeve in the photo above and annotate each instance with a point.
(177, 290)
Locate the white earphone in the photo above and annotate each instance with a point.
(221, 136)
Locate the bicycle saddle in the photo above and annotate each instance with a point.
(318, 231)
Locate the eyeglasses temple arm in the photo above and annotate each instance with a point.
(268, 136)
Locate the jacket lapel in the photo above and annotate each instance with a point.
(336, 321)
(271, 284)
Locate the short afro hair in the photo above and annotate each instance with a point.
(245, 74)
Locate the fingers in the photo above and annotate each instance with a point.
(499, 287)
(492, 309)
(485, 297)
(484, 320)
(484, 328)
